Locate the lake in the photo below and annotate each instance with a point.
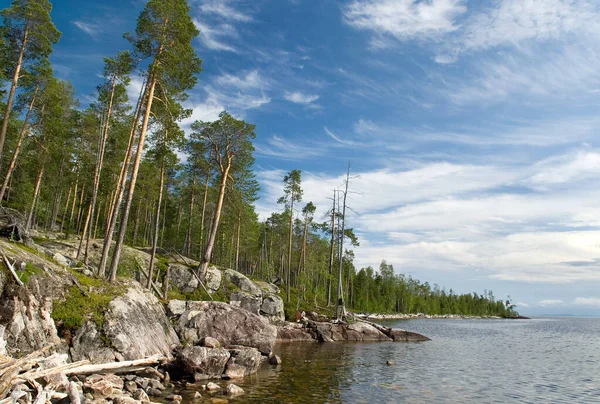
(544, 360)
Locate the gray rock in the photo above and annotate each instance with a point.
(246, 301)
(176, 308)
(27, 321)
(182, 277)
(233, 390)
(61, 259)
(212, 387)
(124, 400)
(243, 362)
(272, 308)
(141, 395)
(87, 344)
(210, 342)
(137, 325)
(154, 392)
(329, 332)
(295, 332)
(274, 360)
(213, 278)
(155, 384)
(242, 282)
(268, 287)
(103, 385)
(206, 362)
(229, 324)
(197, 395)
(131, 387)
(58, 379)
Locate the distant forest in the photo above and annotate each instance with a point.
(113, 172)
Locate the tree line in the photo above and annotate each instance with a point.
(113, 172)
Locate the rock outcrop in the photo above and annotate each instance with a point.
(181, 276)
(242, 282)
(137, 326)
(203, 362)
(358, 332)
(243, 362)
(229, 324)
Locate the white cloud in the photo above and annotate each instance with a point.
(587, 301)
(300, 98)
(512, 22)
(244, 81)
(215, 38)
(92, 29)
(404, 19)
(550, 302)
(223, 9)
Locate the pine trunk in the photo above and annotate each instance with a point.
(13, 89)
(156, 225)
(13, 161)
(132, 181)
(36, 193)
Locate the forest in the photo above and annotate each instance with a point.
(126, 172)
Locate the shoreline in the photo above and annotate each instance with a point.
(422, 316)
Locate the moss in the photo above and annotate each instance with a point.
(29, 272)
(27, 248)
(77, 307)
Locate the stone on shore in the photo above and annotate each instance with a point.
(229, 324)
(242, 362)
(330, 332)
(272, 308)
(203, 362)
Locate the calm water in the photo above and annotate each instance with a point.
(549, 360)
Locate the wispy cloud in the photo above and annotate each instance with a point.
(404, 19)
(215, 37)
(224, 9)
(90, 28)
(245, 80)
(300, 98)
(550, 302)
(587, 301)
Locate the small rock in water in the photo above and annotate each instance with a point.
(389, 363)
(212, 386)
(197, 395)
(274, 360)
(234, 390)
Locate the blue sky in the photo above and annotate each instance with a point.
(471, 125)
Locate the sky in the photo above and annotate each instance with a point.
(471, 127)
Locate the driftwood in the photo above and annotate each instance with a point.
(11, 268)
(13, 376)
(116, 367)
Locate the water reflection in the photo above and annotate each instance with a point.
(474, 361)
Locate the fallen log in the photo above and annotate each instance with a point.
(11, 268)
(37, 374)
(116, 367)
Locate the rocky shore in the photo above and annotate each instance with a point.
(401, 316)
(87, 341)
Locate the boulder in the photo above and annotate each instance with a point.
(176, 308)
(206, 363)
(87, 343)
(229, 324)
(137, 325)
(268, 287)
(61, 259)
(182, 277)
(213, 278)
(242, 362)
(246, 301)
(295, 332)
(272, 308)
(242, 282)
(407, 336)
(233, 390)
(330, 332)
